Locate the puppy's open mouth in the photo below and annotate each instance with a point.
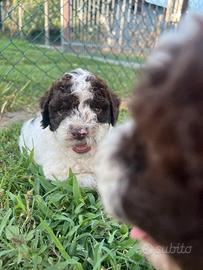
(81, 148)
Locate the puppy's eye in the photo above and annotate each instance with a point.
(64, 89)
(97, 109)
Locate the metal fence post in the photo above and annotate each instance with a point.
(1, 19)
(2, 16)
(46, 21)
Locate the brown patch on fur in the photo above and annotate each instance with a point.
(106, 100)
(164, 155)
(58, 102)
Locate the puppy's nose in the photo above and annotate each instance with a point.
(79, 133)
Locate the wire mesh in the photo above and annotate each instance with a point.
(41, 39)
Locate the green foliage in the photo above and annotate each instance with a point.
(32, 19)
(55, 225)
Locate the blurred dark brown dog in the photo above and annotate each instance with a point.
(150, 170)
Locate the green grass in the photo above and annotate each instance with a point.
(55, 225)
(122, 56)
(33, 69)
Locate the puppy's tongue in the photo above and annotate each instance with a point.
(81, 148)
(138, 234)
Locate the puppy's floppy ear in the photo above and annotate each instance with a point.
(114, 107)
(44, 105)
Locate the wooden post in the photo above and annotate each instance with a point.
(61, 19)
(46, 21)
(64, 4)
(20, 19)
(169, 11)
(176, 10)
(122, 23)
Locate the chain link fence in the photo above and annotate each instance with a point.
(41, 39)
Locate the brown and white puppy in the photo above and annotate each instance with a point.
(76, 113)
(150, 170)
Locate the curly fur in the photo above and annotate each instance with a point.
(162, 154)
(78, 100)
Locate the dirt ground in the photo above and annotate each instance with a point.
(12, 117)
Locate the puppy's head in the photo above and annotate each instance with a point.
(150, 170)
(79, 108)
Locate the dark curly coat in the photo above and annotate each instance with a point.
(162, 155)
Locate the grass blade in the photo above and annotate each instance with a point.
(5, 220)
(56, 241)
(77, 196)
